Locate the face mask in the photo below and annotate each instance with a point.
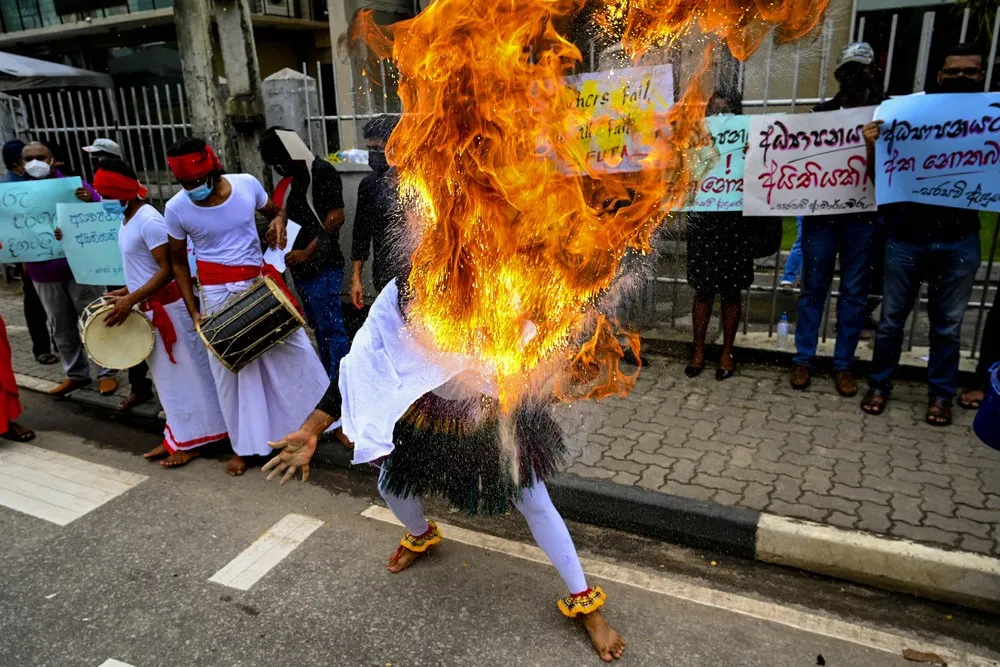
(961, 84)
(37, 169)
(283, 169)
(113, 206)
(377, 161)
(200, 193)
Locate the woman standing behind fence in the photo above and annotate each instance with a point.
(719, 261)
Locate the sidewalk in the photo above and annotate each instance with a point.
(753, 442)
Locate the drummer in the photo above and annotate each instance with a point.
(272, 395)
(179, 361)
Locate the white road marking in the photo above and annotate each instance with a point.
(57, 487)
(114, 663)
(267, 551)
(665, 585)
(34, 384)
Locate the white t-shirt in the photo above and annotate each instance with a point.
(225, 234)
(136, 240)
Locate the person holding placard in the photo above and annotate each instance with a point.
(179, 361)
(848, 237)
(63, 298)
(272, 394)
(719, 261)
(315, 200)
(938, 245)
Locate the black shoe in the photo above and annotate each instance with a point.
(724, 373)
(693, 371)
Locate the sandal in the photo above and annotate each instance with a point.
(18, 433)
(938, 412)
(874, 401)
(971, 404)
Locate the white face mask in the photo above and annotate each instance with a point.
(37, 169)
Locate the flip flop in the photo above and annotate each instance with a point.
(17, 433)
(938, 412)
(869, 404)
(970, 405)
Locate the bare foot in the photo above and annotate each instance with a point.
(179, 458)
(236, 466)
(608, 643)
(404, 558)
(157, 452)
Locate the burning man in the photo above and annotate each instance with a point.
(217, 211)
(431, 423)
(179, 361)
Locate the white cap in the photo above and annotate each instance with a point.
(104, 146)
(858, 52)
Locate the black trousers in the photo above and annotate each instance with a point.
(34, 315)
(138, 377)
(989, 351)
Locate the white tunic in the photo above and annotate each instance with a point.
(385, 372)
(186, 388)
(273, 395)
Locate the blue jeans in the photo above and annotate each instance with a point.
(949, 269)
(321, 303)
(793, 265)
(822, 240)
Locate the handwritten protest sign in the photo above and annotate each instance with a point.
(722, 188)
(28, 218)
(616, 131)
(940, 149)
(808, 164)
(90, 241)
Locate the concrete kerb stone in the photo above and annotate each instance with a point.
(897, 564)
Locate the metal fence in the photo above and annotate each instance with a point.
(143, 121)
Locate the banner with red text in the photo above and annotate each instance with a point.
(940, 149)
(808, 164)
(721, 189)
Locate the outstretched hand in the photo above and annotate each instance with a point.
(297, 450)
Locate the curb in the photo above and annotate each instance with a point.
(896, 564)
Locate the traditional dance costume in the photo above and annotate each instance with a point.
(409, 410)
(179, 362)
(270, 396)
(10, 404)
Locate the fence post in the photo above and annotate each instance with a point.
(284, 94)
(193, 19)
(343, 74)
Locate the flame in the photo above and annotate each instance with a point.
(513, 230)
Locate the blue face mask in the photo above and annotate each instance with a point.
(113, 206)
(200, 193)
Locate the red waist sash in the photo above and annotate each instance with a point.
(210, 273)
(161, 321)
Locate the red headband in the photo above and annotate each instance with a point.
(194, 166)
(112, 185)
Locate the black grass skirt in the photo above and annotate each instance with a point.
(452, 448)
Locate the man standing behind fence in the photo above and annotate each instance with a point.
(848, 236)
(315, 200)
(933, 244)
(378, 214)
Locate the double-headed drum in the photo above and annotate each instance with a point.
(250, 324)
(118, 347)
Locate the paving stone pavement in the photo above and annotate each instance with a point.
(752, 441)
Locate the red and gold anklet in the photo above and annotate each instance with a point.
(421, 543)
(586, 602)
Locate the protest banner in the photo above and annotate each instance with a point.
(808, 164)
(28, 218)
(721, 189)
(940, 149)
(616, 131)
(90, 241)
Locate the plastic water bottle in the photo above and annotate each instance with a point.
(783, 332)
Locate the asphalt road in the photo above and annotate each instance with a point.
(129, 580)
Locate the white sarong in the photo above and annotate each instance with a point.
(186, 389)
(272, 395)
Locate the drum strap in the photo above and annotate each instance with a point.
(211, 273)
(161, 320)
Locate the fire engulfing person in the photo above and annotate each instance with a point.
(516, 244)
